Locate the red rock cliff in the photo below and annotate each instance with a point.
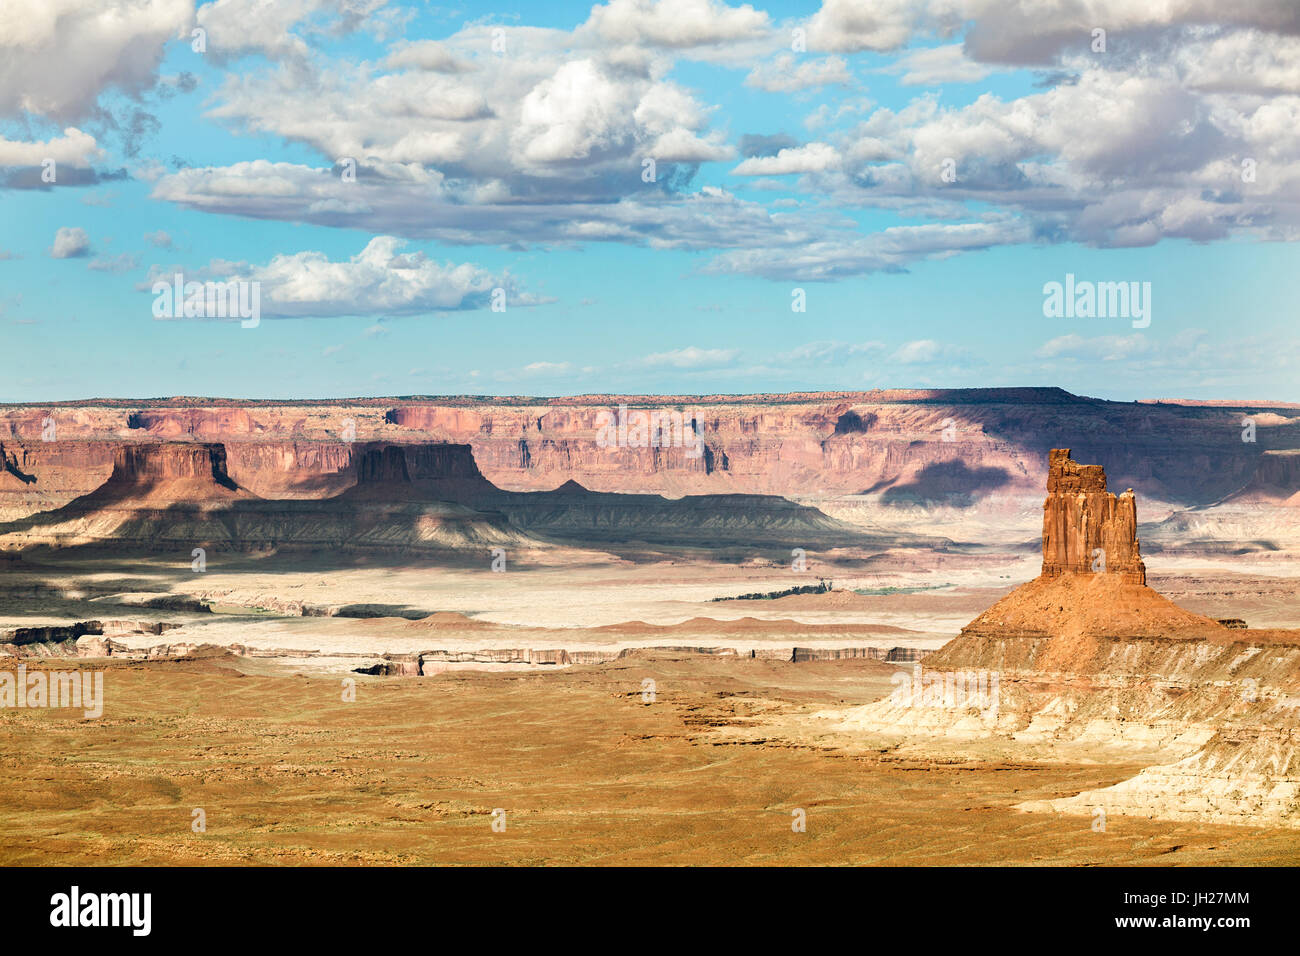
(895, 448)
(180, 471)
(1085, 527)
(399, 471)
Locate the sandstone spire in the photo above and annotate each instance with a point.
(1085, 527)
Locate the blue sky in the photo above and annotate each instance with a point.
(797, 146)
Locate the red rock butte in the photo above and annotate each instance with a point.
(180, 471)
(1086, 529)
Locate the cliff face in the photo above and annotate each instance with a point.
(1086, 529)
(176, 496)
(193, 422)
(291, 469)
(898, 448)
(177, 471)
(42, 475)
(150, 463)
(416, 472)
(761, 448)
(907, 446)
(377, 462)
(1276, 481)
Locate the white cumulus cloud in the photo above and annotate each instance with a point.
(70, 242)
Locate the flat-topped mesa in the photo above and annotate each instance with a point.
(424, 471)
(151, 464)
(1086, 529)
(425, 461)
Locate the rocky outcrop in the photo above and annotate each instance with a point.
(177, 496)
(181, 470)
(393, 665)
(403, 469)
(78, 639)
(1086, 529)
(50, 634)
(1081, 658)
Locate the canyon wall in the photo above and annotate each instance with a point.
(378, 462)
(900, 448)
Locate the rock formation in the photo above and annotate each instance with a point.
(42, 475)
(406, 496)
(425, 470)
(1276, 481)
(179, 471)
(197, 422)
(1080, 658)
(177, 496)
(1086, 529)
(291, 469)
(900, 447)
(1075, 615)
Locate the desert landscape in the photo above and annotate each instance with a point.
(903, 628)
(652, 435)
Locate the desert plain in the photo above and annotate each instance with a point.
(466, 632)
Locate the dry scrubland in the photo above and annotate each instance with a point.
(587, 773)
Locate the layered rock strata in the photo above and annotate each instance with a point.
(406, 496)
(903, 447)
(1085, 527)
(178, 496)
(1096, 660)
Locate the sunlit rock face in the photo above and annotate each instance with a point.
(1087, 529)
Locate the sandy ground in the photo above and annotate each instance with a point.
(585, 770)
